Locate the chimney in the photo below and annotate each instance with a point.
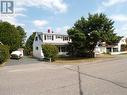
(48, 30)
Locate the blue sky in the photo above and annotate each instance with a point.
(59, 15)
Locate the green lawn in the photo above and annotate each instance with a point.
(66, 60)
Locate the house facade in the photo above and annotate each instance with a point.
(119, 48)
(60, 40)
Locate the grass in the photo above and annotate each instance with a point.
(1, 65)
(72, 60)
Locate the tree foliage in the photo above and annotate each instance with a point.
(87, 32)
(4, 53)
(9, 35)
(22, 35)
(50, 51)
(29, 44)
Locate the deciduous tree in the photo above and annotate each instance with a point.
(29, 44)
(9, 35)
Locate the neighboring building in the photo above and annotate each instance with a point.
(100, 48)
(120, 48)
(61, 41)
(112, 49)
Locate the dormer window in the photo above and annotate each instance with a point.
(58, 37)
(49, 37)
(65, 38)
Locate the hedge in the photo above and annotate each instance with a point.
(50, 51)
(4, 53)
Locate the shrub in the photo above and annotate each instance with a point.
(4, 53)
(50, 51)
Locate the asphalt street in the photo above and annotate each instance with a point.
(97, 78)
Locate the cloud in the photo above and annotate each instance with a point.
(109, 3)
(119, 18)
(12, 19)
(56, 5)
(100, 9)
(22, 5)
(122, 30)
(105, 4)
(40, 23)
(121, 21)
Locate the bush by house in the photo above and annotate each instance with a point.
(4, 53)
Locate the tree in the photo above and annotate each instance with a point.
(50, 51)
(9, 35)
(22, 35)
(29, 44)
(87, 32)
(4, 53)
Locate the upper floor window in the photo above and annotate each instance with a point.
(44, 37)
(58, 37)
(49, 37)
(65, 38)
(52, 37)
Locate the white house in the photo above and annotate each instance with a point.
(119, 49)
(60, 40)
(100, 48)
(112, 49)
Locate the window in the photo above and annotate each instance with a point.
(58, 37)
(115, 49)
(36, 48)
(44, 37)
(64, 49)
(65, 38)
(36, 39)
(52, 37)
(69, 39)
(59, 49)
(49, 37)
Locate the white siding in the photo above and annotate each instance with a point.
(56, 41)
(37, 53)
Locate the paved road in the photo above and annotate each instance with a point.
(24, 60)
(100, 78)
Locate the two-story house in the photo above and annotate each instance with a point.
(60, 40)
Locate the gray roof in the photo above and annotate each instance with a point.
(42, 33)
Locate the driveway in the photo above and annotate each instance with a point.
(99, 78)
(24, 60)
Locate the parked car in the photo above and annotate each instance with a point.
(16, 55)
